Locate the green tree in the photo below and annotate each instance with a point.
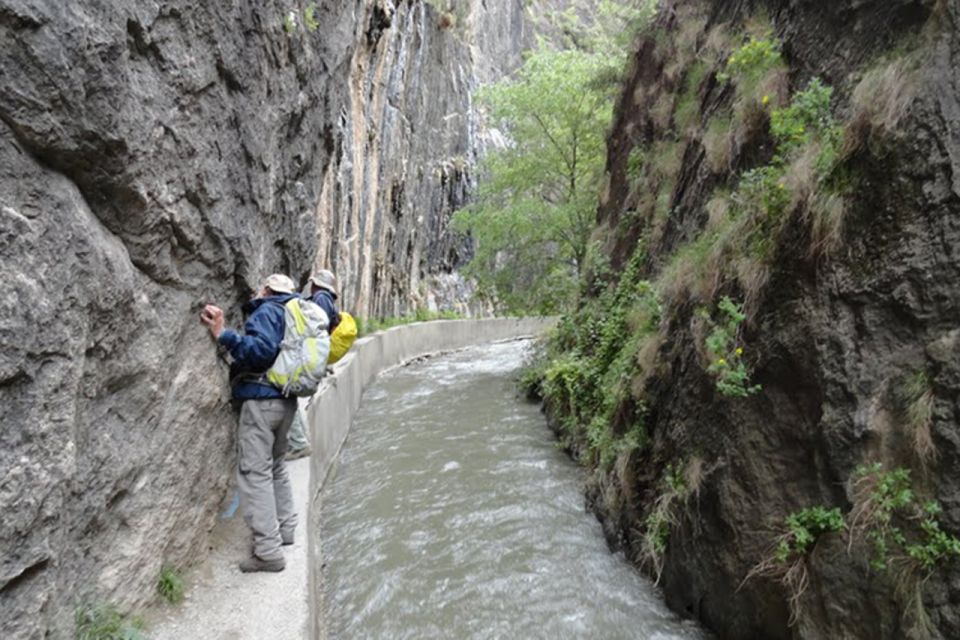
(536, 204)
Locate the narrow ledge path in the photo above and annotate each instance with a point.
(223, 604)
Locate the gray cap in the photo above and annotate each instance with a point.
(279, 283)
(325, 280)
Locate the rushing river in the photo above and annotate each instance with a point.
(453, 515)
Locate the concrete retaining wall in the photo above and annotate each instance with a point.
(331, 411)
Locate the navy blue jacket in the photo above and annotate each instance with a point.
(327, 302)
(255, 350)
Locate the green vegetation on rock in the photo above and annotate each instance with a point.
(726, 356)
(804, 528)
(170, 585)
(104, 622)
(593, 366)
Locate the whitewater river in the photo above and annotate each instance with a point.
(453, 515)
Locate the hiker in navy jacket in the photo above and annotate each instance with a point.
(322, 289)
(265, 417)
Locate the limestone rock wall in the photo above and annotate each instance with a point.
(406, 140)
(155, 156)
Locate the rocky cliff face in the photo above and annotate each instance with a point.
(406, 140)
(158, 156)
(851, 325)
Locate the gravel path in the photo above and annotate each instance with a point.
(224, 604)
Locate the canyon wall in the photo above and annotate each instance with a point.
(850, 281)
(157, 156)
(406, 140)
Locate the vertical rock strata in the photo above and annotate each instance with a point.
(155, 156)
(832, 335)
(405, 142)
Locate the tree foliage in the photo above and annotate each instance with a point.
(535, 207)
(536, 204)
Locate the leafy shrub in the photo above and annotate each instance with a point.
(588, 382)
(936, 544)
(752, 60)
(726, 356)
(787, 562)
(808, 119)
(886, 513)
(804, 528)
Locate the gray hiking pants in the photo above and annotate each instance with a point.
(262, 475)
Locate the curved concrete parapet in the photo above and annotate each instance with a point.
(331, 411)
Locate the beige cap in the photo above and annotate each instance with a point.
(325, 280)
(279, 283)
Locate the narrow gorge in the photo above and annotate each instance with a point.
(758, 362)
(762, 372)
(159, 156)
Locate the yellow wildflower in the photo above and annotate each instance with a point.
(721, 362)
(739, 351)
(765, 100)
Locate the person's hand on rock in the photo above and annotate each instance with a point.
(212, 316)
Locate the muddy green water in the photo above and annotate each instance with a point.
(453, 515)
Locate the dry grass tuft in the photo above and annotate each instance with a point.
(648, 363)
(822, 210)
(661, 113)
(827, 212)
(694, 473)
(863, 515)
(695, 272)
(908, 591)
(920, 420)
(878, 103)
(801, 177)
(753, 275)
(718, 42)
(661, 520)
(718, 145)
(718, 208)
(794, 576)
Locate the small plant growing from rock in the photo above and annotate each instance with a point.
(310, 17)
(807, 119)
(904, 535)
(803, 530)
(788, 561)
(663, 517)
(290, 22)
(726, 355)
(170, 585)
(886, 512)
(104, 622)
(752, 60)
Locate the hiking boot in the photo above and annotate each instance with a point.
(255, 563)
(298, 453)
